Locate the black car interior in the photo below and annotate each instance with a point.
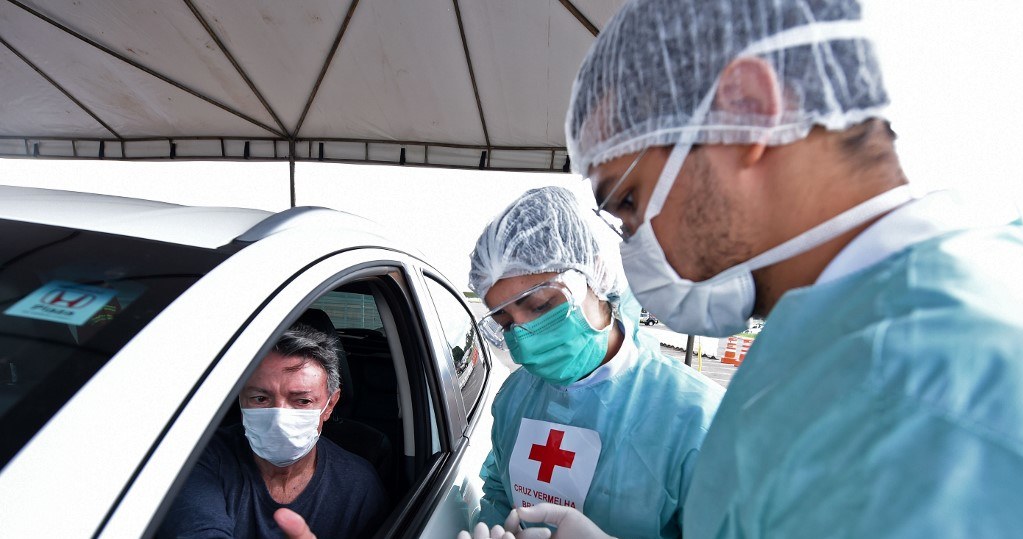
(342, 428)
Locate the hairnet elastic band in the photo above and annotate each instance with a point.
(772, 135)
(808, 34)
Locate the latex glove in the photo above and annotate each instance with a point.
(571, 523)
(481, 532)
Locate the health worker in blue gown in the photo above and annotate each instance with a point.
(577, 425)
(884, 398)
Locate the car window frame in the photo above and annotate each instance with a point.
(133, 430)
(349, 265)
(472, 411)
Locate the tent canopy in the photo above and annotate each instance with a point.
(444, 83)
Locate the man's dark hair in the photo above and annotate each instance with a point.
(311, 344)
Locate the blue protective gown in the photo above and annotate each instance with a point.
(885, 403)
(651, 417)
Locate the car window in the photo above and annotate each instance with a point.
(463, 341)
(373, 321)
(69, 300)
(372, 395)
(385, 415)
(351, 310)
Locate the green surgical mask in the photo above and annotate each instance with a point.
(559, 346)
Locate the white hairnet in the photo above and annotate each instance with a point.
(650, 77)
(545, 230)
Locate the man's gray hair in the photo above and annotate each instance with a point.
(311, 344)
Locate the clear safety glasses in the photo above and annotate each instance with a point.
(532, 303)
(610, 220)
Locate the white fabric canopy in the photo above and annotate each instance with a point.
(448, 83)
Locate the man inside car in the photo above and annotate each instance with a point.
(276, 458)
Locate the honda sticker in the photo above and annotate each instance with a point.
(63, 301)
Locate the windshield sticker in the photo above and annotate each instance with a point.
(65, 302)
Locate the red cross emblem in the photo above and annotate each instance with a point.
(551, 455)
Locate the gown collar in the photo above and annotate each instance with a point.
(927, 217)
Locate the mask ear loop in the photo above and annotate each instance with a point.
(579, 290)
(576, 284)
(327, 404)
(675, 160)
(666, 181)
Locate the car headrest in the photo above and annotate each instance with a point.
(320, 321)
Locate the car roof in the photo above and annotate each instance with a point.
(208, 227)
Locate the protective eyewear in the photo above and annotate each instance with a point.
(532, 303)
(611, 221)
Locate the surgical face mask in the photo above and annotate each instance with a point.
(720, 306)
(561, 347)
(282, 436)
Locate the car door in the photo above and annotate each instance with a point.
(462, 349)
(426, 419)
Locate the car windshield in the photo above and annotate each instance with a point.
(69, 300)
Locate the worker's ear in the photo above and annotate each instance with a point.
(749, 86)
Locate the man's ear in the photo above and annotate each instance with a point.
(749, 86)
(333, 402)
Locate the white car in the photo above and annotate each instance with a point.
(128, 326)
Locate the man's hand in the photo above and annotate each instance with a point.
(571, 524)
(292, 524)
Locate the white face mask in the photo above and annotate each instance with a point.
(282, 436)
(720, 306)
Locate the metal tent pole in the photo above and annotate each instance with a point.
(291, 166)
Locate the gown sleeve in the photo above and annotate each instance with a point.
(495, 504)
(962, 480)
